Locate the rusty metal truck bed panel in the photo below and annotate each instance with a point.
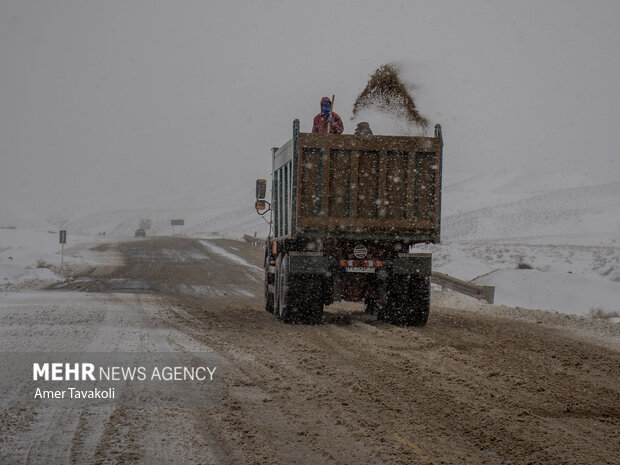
(358, 185)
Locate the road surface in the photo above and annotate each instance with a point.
(479, 384)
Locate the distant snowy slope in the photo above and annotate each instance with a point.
(465, 194)
(9, 219)
(543, 241)
(576, 211)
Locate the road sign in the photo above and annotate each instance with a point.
(177, 222)
(63, 240)
(145, 223)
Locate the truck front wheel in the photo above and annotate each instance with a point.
(277, 303)
(269, 297)
(285, 296)
(285, 291)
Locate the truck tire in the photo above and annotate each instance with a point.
(382, 313)
(371, 306)
(395, 309)
(408, 301)
(393, 302)
(289, 307)
(277, 286)
(299, 297)
(420, 297)
(269, 297)
(312, 300)
(285, 292)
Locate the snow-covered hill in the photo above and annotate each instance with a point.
(544, 241)
(585, 214)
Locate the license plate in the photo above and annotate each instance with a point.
(360, 269)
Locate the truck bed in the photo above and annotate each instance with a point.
(356, 186)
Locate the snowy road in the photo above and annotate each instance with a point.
(479, 384)
(85, 322)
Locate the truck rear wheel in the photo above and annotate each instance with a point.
(312, 300)
(420, 300)
(408, 301)
(299, 297)
(371, 306)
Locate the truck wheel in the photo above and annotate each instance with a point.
(289, 296)
(408, 302)
(420, 300)
(382, 314)
(277, 287)
(269, 297)
(394, 303)
(311, 300)
(301, 297)
(371, 306)
(395, 311)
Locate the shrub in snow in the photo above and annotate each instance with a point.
(600, 312)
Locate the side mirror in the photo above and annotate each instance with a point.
(261, 192)
(261, 189)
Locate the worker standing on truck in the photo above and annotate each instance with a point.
(327, 118)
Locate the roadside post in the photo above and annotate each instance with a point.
(63, 240)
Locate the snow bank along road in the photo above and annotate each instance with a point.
(479, 384)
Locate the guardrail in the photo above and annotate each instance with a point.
(479, 292)
(255, 241)
(446, 282)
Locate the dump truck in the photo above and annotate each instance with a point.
(346, 212)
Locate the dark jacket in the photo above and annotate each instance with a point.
(320, 122)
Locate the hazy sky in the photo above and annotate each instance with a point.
(123, 97)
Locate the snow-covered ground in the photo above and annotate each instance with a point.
(33, 258)
(27, 258)
(563, 278)
(545, 241)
